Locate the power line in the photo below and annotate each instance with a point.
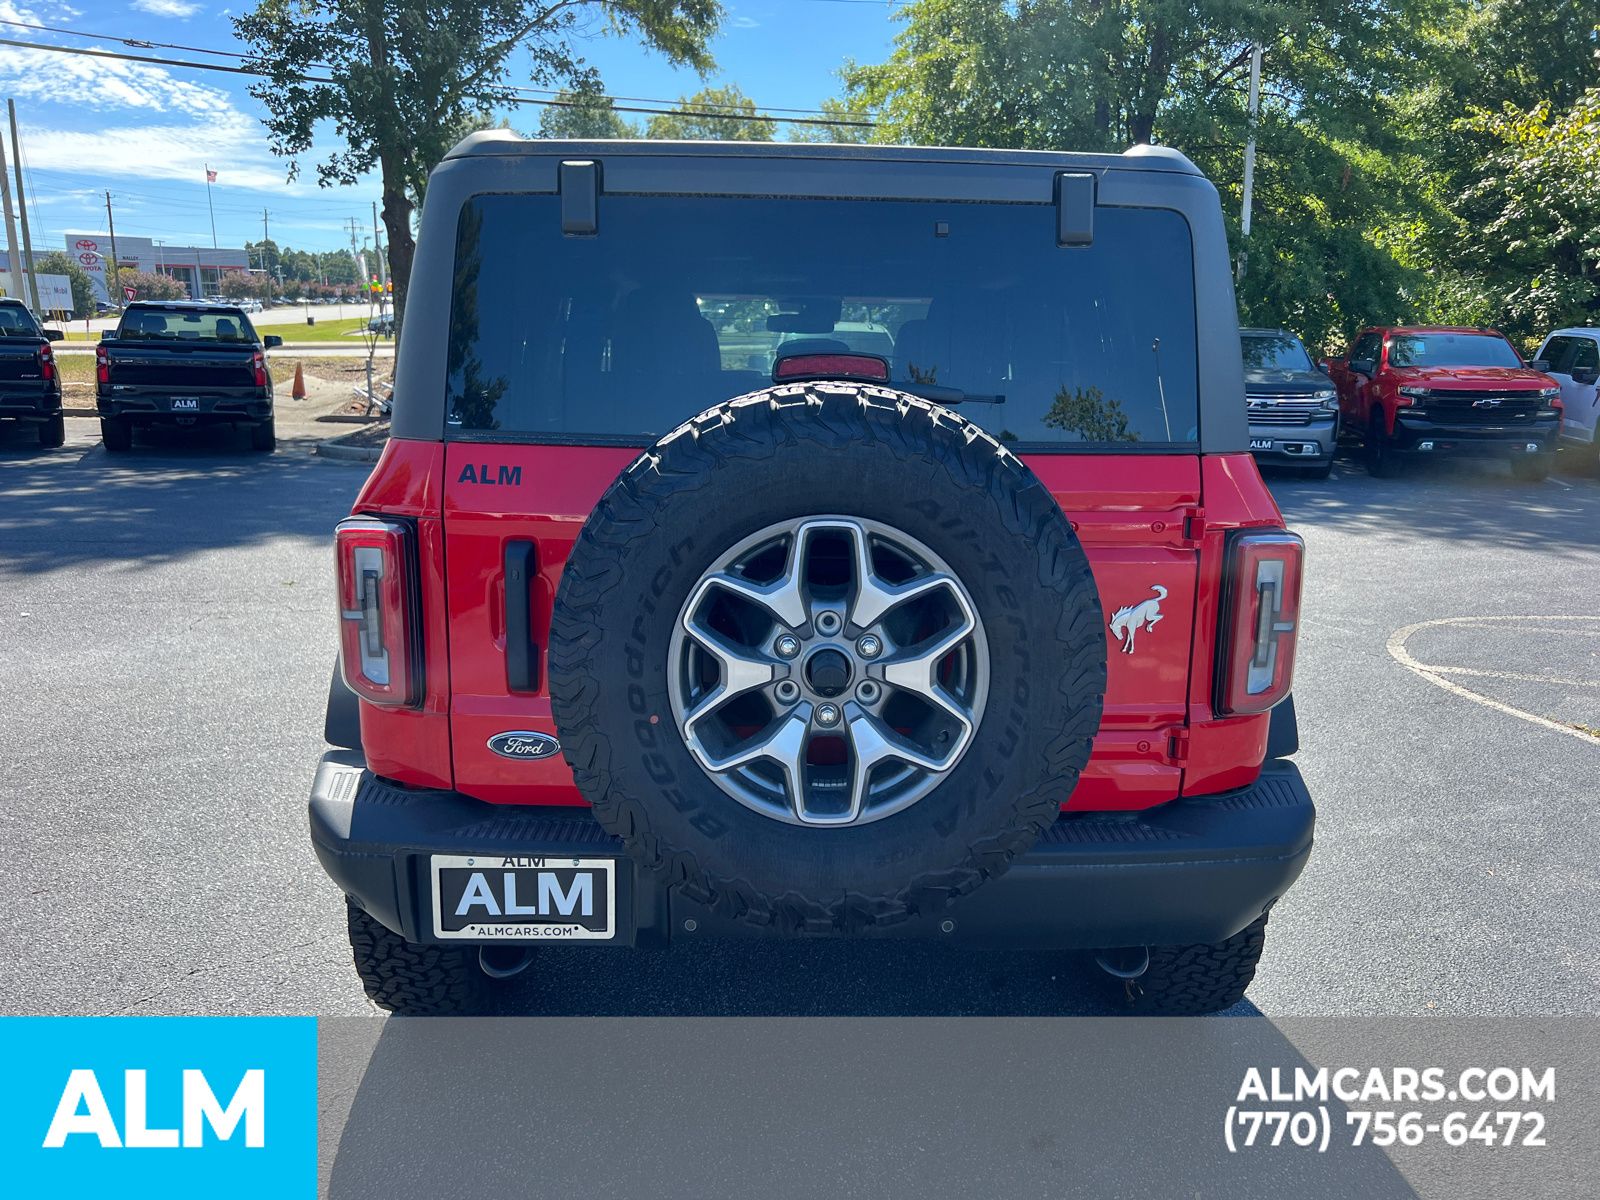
(698, 110)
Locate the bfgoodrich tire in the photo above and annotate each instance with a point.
(842, 453)
(1193, 980)
(412, 979)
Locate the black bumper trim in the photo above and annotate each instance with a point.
(1198, 869)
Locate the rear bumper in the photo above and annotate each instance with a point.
(39, 406)
(1421, 435)
(1197, 869)
(162, 408)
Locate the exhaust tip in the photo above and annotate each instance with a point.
(1128, 963)
(502, 962)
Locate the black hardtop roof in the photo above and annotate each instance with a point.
(503, 142)
(181, 306)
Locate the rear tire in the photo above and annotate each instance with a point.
(53, 433)
(412, 979)
(1381, 461)
(1199, 979)
(117, 434)
(264, 437)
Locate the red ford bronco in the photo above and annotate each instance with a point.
(814, 541)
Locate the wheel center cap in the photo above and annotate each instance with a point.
(828, 672)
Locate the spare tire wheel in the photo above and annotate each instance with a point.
(827, 656)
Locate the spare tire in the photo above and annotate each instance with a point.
(828, 657)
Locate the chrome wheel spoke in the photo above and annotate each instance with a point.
(873, 743)
(783, 743)
(913, 669)
(874, 599)
(740, 670)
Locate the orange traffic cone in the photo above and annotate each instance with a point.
(299, 390)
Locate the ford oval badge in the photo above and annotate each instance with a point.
(522, 743)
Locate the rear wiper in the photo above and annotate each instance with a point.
(947, 396)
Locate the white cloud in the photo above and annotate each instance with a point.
(745, 23)
(167, 8)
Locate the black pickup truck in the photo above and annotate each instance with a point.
(30, 385)
(180, 363)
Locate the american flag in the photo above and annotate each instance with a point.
(211, 176)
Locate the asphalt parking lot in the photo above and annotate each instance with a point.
(165, 639)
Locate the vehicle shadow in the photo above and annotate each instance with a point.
(1468, 500)
(762, 977)
(782, 1108)
(170, 497)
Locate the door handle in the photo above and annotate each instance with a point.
(522, 656)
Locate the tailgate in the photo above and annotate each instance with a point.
(19, 363)
(193, 370)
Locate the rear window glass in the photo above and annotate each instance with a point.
(682, 302)
(16, 322)
(177, 326)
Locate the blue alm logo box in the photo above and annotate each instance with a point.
(159, 1106)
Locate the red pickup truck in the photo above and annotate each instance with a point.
(1417, 390)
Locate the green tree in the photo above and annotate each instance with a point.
(151, 285)
(57, 263)
(396, 78)
(1531, 218)
(1330, 189)
(242, 285)
(584, 113)
(263, 255)
(856, 128)
(722, 114)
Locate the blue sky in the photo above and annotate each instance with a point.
(146, 132)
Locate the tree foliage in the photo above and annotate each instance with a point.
(151, 285)
(1392, 182)
(398, 79)
(720, 114)
(584, 113)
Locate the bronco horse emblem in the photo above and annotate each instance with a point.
(1127, 621)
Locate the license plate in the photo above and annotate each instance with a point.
(1261, 443)
(185, 402)
(493, 897)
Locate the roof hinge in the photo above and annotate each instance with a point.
(1075, 199)
(579, 184)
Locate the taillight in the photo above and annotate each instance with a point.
(102, 364)
(1261, 621)
(260, 361)
(47, 364)
(378, 644)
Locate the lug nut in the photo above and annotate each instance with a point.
(869, 647)
(827, 715)
(787, 646)
(788, 691)
(828, 622)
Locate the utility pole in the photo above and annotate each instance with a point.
(17, 277)
(116, 268)
(31, 296)
(1250, 156)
